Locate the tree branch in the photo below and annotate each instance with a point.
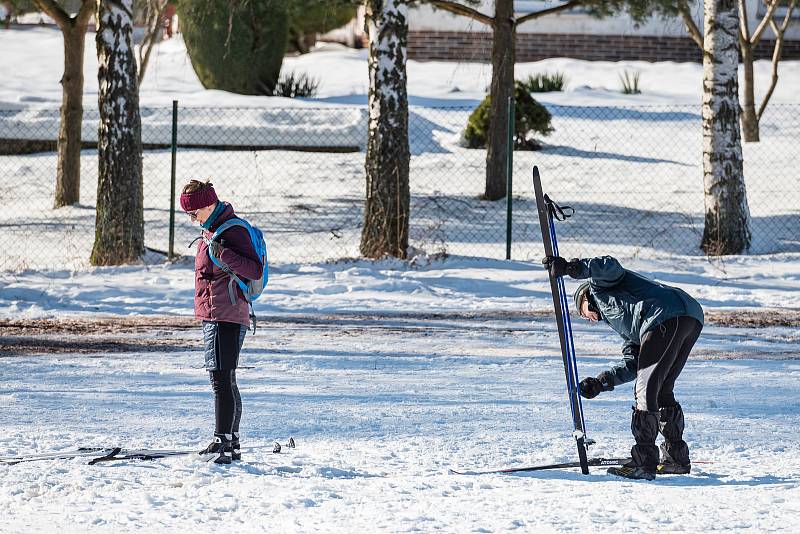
(691, 28)
(776, 55)
(548, 11)
(55, 12)
(155, 13)
(771, 7)
(460, 9)
(744, 24)
(85, 13)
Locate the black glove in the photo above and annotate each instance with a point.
(558, 266)
(590, 387)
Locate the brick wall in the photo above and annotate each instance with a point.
(475, 46)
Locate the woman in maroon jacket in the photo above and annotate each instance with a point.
(225, 314)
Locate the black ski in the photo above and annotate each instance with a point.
(60, 455)
(155, 454)
(141, 454)
(593, 462)
(98, 455)
(547, 210)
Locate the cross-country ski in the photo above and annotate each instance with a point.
(590, 462)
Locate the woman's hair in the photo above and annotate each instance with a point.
(197, 185)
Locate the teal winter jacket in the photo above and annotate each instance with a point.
(632, 305)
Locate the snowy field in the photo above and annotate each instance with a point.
(381, 408)
(388, 374)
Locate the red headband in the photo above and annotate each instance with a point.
(198, 199)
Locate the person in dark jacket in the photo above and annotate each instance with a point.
(659, 326)
(222, 308)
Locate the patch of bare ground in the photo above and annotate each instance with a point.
(172, 334)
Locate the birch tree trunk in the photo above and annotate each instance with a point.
(727, 218)
(502, 87)
(386, 210)
(119, 227)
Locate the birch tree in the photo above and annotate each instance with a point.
(727, 217)
(386, 212)
(73, 31)
(751, 117)
(119, 226)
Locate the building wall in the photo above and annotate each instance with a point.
(425, 17)
(477, 46)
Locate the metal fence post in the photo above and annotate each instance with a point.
(509, 174)
(171, 252)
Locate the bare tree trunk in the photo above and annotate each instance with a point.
(727, 219)
(68, 173)
(119, 227)
(386, 211)
(502, 88)
(749, 117)
(73, 30)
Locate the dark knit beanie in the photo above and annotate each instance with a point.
(580, 293)
(198, 199)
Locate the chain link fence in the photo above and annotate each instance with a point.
(633, 174)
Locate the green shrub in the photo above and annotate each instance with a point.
(630, 82)
(295, 85)
(309, 17)
(245, 59)
(545, 83)
(530, 117)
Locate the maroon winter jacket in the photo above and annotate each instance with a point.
(212, 301)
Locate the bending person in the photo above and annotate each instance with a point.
(659, 325)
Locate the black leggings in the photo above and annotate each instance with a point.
(227, 401)
(662, 355)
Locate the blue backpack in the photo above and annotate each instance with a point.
(251, 289)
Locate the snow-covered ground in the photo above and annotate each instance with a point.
(381, 409)
(387, 373)
(387, 376)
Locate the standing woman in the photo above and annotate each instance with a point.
(222, 308)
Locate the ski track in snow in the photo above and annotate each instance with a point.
(380, 415)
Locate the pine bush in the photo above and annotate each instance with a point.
(530, 118)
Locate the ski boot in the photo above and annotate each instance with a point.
(674, 451)
(632, 471)
(644, 455)
(219, 450)
(236, 452)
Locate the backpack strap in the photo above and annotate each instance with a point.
(222, 265)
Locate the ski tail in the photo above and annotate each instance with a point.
(549, 212)
(590, 462)
(58, 455)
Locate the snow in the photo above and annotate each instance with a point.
(386, 373)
